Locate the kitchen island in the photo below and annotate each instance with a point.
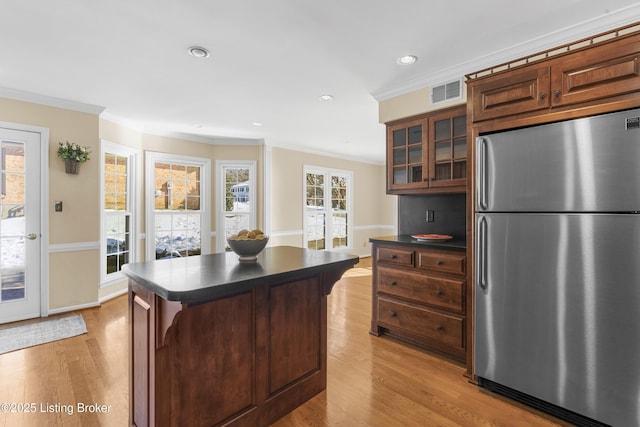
(215, 341)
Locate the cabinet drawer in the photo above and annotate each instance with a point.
(421, 321)
(437, 291)
(395, 255)
(447, 262)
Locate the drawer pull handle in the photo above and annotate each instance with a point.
(438, 262)
(394, 256)
(393, 314)
(439, 292)
(440, 328)
(394, 283)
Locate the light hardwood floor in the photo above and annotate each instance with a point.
(372, 381)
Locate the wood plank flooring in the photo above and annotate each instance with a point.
(372, 381)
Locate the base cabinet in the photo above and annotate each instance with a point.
(419, 296)
(242, 360)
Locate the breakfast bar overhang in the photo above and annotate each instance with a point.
(216, 341)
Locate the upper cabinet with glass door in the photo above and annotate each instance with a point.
(428, 153)
(448, 149)
(406, 156)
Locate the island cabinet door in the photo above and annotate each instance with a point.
(291, 350)
(213, 344)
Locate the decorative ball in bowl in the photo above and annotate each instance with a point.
(247, 244)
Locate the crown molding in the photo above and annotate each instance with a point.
(600, 24)
(204, 139)
(50, 101)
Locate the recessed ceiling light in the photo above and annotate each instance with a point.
(407, 60)
(326, 97)
(198, 52)
(257, 123)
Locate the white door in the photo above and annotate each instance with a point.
(20, 242)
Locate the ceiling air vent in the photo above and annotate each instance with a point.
(446, 91)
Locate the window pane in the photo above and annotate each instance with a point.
(459, 126)
(339, 232)
(443, 129)
(118, 240)
(315, 230)
(415, 134)
(399, 137)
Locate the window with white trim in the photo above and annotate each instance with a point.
(328, 208)
(177, 205)
(117, 231)
(236, 204)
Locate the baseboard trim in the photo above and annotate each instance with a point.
(73, 308)
(113, 295)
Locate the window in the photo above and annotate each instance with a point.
(237, 200)
(117, 240)
(177, 206)
(327, 210)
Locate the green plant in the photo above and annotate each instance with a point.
(72, 151)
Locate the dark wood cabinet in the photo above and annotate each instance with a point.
(419, 296)
(575, 75)
(428, 153)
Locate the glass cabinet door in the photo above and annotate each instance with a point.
(448, 147)
(406, 154)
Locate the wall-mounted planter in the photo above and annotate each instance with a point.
(71, 166)
(72, 154)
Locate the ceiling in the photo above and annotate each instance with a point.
(272, 60)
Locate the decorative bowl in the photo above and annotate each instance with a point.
(247, 249)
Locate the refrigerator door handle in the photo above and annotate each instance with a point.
(482, 254)
(482, 172)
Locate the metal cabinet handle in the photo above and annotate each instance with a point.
(482, 172)
(482, 254)
(439, 292)
(394, 283)
(543, 95)
(393, 314)
(394, 256)
(440, 328)
(556, 93)
(32, 236)
(439, 262)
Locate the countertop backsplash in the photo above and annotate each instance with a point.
(448, 214)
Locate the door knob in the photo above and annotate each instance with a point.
(32, 236)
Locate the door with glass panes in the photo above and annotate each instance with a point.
(20, 238)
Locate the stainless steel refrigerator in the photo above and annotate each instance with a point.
(557, 269)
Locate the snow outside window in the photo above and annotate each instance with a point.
(117, 241)
(327, 210)
(178, 224)
(236, 201)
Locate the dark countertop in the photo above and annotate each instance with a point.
(405, 239)
(199, 278)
